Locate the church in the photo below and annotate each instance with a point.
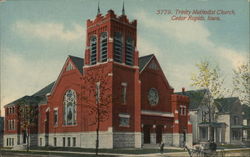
(125, 97)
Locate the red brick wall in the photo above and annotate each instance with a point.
(182, 125)
(155, 79)
(68, 80)
(122, 73)
(11, 116)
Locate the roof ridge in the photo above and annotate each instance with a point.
(147, 55)
(43, 88)
(16, 100)
(75, 57)
(228, 98)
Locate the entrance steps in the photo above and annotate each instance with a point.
(151, 146)
(157, 146)
(19, 147)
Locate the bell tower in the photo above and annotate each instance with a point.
(111, 46)
(111, 39)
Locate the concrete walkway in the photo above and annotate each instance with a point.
(170, 154)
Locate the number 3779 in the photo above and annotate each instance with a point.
(163, 12)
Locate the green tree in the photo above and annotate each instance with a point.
(209, 77)
(28, 113)
(241, 83)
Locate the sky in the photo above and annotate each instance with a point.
(36, 36)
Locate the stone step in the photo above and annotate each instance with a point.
(151, 145)
(19, 147)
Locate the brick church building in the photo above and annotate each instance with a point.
(126, 96)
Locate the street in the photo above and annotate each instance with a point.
(230, 153)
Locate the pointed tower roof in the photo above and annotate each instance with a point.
(98, 9)
(123, 10)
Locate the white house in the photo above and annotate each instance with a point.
(226, 118)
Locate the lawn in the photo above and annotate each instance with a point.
(31, 154)
(118, 151)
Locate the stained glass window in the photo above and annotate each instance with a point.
(70, 107)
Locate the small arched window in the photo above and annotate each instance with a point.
(70, 107)
(118, 47)
(93, 50)
(104, 47)
(129, 49)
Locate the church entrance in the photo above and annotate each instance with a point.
(159, 130)
(146, 132)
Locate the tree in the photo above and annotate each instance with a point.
(28, 113)
(241, 83)
(97, 96)
(209, 77)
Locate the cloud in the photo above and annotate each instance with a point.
(185, 32)
(146, 47)
(24, 76)
(234, 57)
(49, 30)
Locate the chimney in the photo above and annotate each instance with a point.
(183, 90)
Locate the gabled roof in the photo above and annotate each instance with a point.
(15, 101)
(246, 110)
(225, 105)
(31, 100)
(195, 97)
(79, 62)
(144, 60)
(44, 90)
(38, 96)
(214, 124)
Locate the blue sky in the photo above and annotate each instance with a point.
(38, 35)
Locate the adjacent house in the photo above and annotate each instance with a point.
(229, 111)
(226, 124)
(200, 118)
(246, 124)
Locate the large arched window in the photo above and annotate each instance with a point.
(93, 50)
(104, 47)
(70, 107)
(118, 47)
(129, 51)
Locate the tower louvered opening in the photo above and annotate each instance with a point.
(129, 49)
(118, 47)
(104, 47)
(93, 50)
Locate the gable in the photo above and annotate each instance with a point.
(78, 62)
(70, 64)
(153, 66)
(69, 67)
(228, 105)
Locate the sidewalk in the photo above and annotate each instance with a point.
(170, 154)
